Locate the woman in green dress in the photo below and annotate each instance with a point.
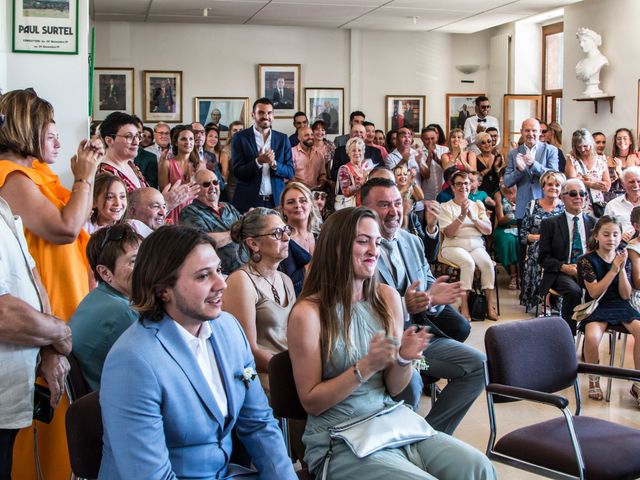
(349, 355)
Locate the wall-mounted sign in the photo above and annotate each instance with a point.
(45, 26)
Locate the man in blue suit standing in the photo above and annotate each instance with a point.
(181, 378)
(525, 165)
(262, 161)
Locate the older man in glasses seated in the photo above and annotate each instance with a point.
(209, 215)
(563, 239)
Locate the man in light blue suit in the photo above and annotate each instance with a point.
(527, 163)
(180, 379)
(262, 161)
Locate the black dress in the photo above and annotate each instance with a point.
(612, 308)
(490, 181)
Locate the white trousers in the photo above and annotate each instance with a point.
(469, 254)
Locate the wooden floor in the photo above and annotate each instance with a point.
(474, 429)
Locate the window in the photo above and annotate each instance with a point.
(552, 66)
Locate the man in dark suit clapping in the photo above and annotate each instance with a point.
(563, 239)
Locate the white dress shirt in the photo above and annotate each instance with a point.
(432, 185)
(263, 146)
(471, 126)
(202, 350)
(583, 232)
(395, 157)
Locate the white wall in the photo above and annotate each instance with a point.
(61, 79)
(618, 22)
(368, 64)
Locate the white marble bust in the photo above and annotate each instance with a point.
(588, 69)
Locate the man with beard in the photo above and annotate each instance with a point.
(182, 378)
(261, 161)
(213, 217)
(402, 265)
(308, 163)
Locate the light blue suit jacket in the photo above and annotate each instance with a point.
(412, 252)
(528, 180)
(160, 418)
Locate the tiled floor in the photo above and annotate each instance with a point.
(474, 429)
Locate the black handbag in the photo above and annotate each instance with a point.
(478, 306)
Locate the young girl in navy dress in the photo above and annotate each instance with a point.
(607, 269)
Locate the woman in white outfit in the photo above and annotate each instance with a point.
(463, 223)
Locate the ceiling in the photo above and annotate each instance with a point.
(452, 16)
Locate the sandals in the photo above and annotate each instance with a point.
(513, 283)
(635, 392)
(595, 392)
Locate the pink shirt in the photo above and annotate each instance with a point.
(309, 168)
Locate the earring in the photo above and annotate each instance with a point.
(256, 257)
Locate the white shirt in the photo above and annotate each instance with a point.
(263, 146)
(583, 232)
(202, 350)
(432, 185)
(18, 361)
(620, 208)
(471, 126)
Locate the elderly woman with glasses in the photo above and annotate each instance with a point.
(258, 294)
(584, 163)
(353, 175)
(463, 223)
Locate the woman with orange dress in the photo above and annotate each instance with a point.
(53, 218)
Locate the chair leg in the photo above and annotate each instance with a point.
(612, 357)
(497, 291)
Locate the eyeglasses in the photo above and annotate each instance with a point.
(278, 233)
(461, 184)
(575, 193)
(113, 233)
(486, 142)
(162, 134)
(485, 107)
(319, 195)
(209, 183)
(543, 131)
(130, 136)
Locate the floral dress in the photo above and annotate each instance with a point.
(598, 169)
(532, 271)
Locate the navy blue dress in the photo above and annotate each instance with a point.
(612, 308)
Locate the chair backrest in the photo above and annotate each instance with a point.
(84, 435)
(282, 388)
(538, 354)
(77, 386)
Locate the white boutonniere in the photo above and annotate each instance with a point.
(248, 375)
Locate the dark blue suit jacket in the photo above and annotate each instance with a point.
(249, 175)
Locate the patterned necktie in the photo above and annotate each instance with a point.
(576, 242)
(396, 264)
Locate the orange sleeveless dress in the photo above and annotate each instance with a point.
(65, 275)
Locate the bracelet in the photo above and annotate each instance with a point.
(358, 374)
(401, 361)
(82, 180)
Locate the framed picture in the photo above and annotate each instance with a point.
(113, 90)
(162, 96)
(281, 85)
(45, 26)
(460, 106)
(405, 111)
(326, 104)
(221, 111)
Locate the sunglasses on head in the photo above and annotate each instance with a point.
(575, 193)
(319, 195)
(209, 183)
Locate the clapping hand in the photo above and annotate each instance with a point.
(177, 193)
(620, 260)
(521, 164)
(382, 351)
(266, 156)
(414, 341)
(416, 300)
(443, 293)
